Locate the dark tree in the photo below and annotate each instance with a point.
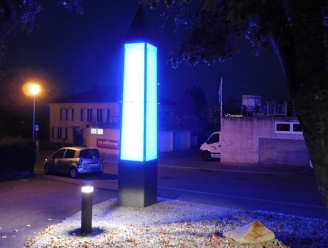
(192, 108)
(20, 15)
(296, 30)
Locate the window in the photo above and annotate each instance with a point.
(99, 115)
(108, 115)
(69, 153)
(214, 138)
(89, 153)
(89, 114)
(282, 127)
(297, 127)
(99, 131)
(66, 114)
(59, 154)
(82, 117)
(288, 127)
(59, 133)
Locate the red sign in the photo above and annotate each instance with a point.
(108, 144)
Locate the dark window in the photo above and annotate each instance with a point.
(59, 154)
(69, 153)
(108, 116)
(59, 133)
(89, 153)
(214, 138)
(297, 128)
(81, 117)
(89, 115)
(283, 127)
(99, 115)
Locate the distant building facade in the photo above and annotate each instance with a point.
(93, 119)
(263, 140)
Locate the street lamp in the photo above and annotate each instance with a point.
(34, 89)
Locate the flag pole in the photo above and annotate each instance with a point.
(220, 102)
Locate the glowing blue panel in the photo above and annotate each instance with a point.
(139, 109)
(132, 132)
(151, 107)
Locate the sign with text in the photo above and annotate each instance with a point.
(108, 144)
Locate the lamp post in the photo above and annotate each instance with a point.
(34, 89)
(86, 209)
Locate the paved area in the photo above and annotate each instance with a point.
(19, 223)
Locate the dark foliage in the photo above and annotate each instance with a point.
(17, 155)
(296, 30)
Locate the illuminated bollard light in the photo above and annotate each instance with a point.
(86, 212)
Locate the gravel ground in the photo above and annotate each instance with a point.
(178, 224)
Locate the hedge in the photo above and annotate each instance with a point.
(17, 155)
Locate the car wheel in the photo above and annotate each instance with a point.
(47, 169)
(73, 173)
(206, 155)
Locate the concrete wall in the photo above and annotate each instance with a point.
(254, 140)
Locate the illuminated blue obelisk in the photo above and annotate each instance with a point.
(137, 184)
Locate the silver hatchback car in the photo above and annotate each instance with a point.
(74, 161)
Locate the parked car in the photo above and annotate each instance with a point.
(74, 161)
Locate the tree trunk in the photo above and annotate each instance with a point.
(313, 115)
(304, 59)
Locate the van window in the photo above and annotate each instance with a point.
(214, 138)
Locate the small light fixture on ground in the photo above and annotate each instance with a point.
(86, 211)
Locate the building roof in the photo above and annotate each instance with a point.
(96, 94)
(101, 95)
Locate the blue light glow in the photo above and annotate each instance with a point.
(139, 109)
(151, 109)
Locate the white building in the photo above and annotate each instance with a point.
(92, 119)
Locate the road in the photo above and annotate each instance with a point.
(28, 205)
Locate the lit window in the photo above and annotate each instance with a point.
(99, 131)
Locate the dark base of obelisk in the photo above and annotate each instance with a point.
(137, 183)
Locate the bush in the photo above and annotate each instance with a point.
(17, 155)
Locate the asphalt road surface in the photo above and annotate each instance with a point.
(28, 205)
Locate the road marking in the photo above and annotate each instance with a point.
(241, 197)
(234, 170)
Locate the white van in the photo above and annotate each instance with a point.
(212, 147)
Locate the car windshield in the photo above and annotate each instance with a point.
(214, 138)
(89, 153)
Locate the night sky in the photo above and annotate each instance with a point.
(69, 53)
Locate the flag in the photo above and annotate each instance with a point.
(220, 102)
(220, 93)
